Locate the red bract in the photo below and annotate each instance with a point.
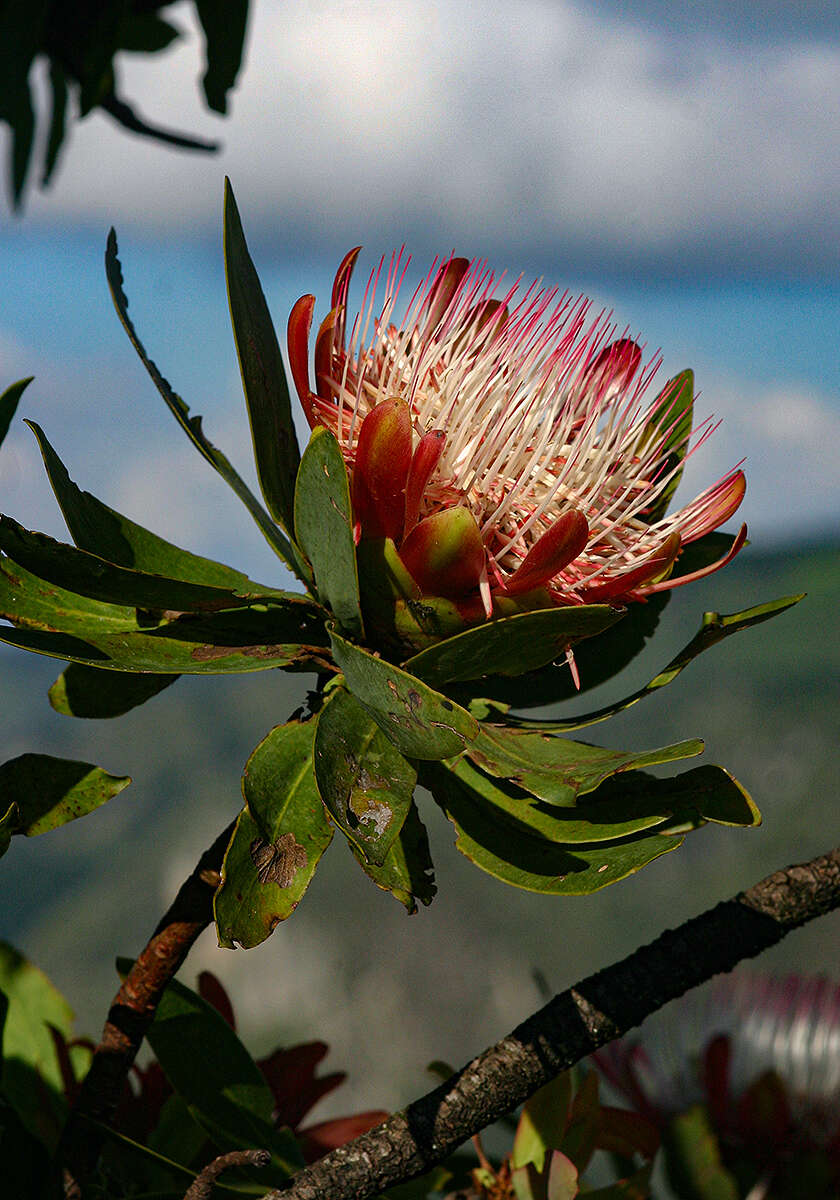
(524, 414)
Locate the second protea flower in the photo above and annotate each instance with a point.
(503, 449)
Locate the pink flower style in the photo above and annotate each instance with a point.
(502, 440)
(762, 1054)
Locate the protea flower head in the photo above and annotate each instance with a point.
(503, 442)
(761, 1055)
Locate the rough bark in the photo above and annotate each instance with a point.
(567, 1029)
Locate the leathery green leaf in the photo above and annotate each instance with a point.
(276, 450)
(558, 770)
(533, 863)
(28, 1050)
(82, 691)
(419, 721)
(192, 425)
(364, 781)
(226, 1091)
(714, 629)
(9, 400)
(44, 792)
(52, 620)
(510, 645)
(407, 872)
(279, 839)
(324, 528)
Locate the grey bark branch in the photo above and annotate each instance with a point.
(567, 1029)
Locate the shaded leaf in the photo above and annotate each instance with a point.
(225, 1091)
(670, 424)
(584, 1125)
(634, 1187)
(43, 792)
(419, 721)
(543, 1121)
(407, 871)
(693, 1159)
(324, 528)
(82, 691)
(364, 781)
(263, 377)
(224, 23)
(192, 425)
(58, 119)
(510, 645)
(284, 827)
(145, 32)
(715, 628)
(31, 1080)
(558, 770)
(9, 402)
(534, 863)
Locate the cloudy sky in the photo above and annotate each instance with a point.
(683, 173)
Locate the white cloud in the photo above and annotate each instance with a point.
(541, 124)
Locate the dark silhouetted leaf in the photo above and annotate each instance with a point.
(284, 827)
(82, 691)
(43, 792)
(324, 528)
(58, 117)
(9, 402)
(364, 781)
(224, 23)
(276, 450)
(419, 721)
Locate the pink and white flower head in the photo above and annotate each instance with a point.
(504, 439)
(762, 1054)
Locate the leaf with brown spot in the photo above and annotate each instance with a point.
(278, 862)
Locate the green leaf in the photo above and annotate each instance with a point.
(224, 23)
(407, 871)
(283, 827)
(623, 805)
(64, 624)
(43, 792)
(534, 863)
(192, 425)
(510, 645)
(364, 781)
(9, 402)
(276, 450)
(715, 628)
(28, 1051)
(543, 1122)
(102, 531)
(82, 691)
(670, 423)
(693, 1158)
(558, 770)
(419, 721)
(324, 528)
(225, 1090)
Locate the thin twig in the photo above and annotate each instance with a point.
(133, 1010)
(202, 1186)
(568, 1028)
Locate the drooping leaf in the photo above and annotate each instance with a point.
(82, 691)
(407, 872)
(419, 721)
(324, 528)
(31, 1078)
(276, 450)
(534, 863)
(146, 33)
(364, 781)
(41, 793)
(102, 531)
(715, 628)
(558, 770)
(192, 425)
(63, 624)
(225, 1090)
(8, 404)
(510, 645)
(58, 119)
(279, 839)
(224, 23)
(670, 425)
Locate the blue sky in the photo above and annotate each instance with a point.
(683, 172)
